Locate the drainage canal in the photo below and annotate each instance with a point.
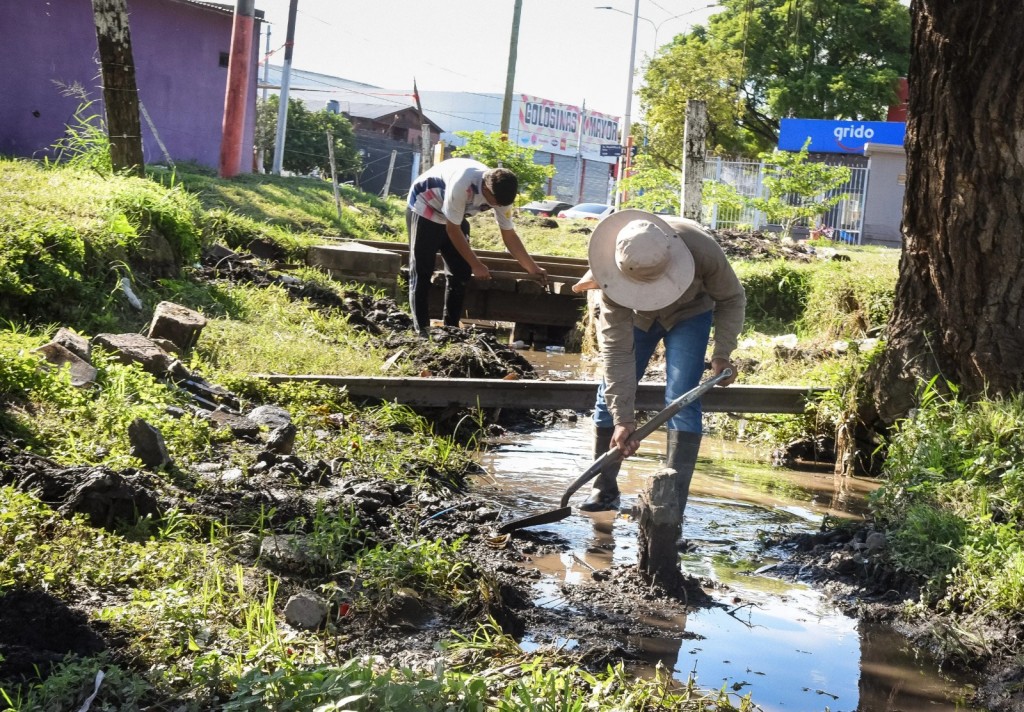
(784, 643)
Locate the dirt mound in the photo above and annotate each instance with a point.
(759, 246)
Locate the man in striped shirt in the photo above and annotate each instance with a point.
(440, 201)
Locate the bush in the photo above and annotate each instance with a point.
(777, 294)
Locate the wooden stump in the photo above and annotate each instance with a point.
(660, 528)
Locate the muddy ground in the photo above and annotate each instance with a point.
(37, 629)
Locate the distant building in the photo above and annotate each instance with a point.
(180, 49)
(562, 135)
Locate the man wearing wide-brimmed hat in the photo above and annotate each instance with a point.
(662, 279)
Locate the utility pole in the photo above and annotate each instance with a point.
(120, 92)
(286, 72)
(239, 60)
(510, 76)
(424, 130)
(266, 90)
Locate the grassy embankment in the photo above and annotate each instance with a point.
(199, 627)
(953, 499)
(203, 629)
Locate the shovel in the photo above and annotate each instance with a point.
(613, 456)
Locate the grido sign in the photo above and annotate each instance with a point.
(838, 136)
(561, 128)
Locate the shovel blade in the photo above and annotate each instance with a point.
(554, 515)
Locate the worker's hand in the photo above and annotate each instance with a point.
(480, 271)
(541, 273)
(621, 439)
(720, 364)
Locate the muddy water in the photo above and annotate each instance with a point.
(780, 641)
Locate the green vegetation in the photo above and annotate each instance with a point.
(953, 503)
(201, 621)
(757, 63)
(796, 190)
(306, 146)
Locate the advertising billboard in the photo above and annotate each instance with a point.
(561, 128)
(838, 136)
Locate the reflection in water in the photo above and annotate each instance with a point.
(780, 641)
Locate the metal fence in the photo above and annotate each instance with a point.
(844, 221)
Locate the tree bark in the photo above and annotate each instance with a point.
(958, 313)
(120, 94)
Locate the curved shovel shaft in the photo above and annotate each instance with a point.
(614, 455)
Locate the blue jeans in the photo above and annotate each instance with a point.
(686, 344)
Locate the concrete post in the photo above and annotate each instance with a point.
(695, 138)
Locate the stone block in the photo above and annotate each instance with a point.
(179, 325)
(355, 259)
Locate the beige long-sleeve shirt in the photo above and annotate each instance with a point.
(715, 286)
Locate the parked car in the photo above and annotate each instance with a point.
(545, 208)
(587, 211)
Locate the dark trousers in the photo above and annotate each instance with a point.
(426, 239)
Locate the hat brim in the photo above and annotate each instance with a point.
(649, 295)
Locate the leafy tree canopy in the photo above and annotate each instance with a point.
(305, 143)
(759, 61)
(493, 150)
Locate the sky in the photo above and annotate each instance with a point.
(568, 51)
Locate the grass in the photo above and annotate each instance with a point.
(204, 627)
(953, 502)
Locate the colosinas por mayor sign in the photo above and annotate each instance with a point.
(838, 136)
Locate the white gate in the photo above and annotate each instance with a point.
(844, 221)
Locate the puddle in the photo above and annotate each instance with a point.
(783, 642)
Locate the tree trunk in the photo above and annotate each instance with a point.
(958, 313)
(120, 94)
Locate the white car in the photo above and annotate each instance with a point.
(587, 211)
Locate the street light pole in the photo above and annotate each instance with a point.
(657, 26)
(626, 144)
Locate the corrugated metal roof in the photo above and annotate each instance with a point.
(228, 9)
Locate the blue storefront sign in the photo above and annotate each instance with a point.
(838, 136)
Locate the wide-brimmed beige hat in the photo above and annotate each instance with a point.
(638, 260)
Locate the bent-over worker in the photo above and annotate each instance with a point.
(661, 280)
(440, 200)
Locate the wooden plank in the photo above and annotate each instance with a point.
(571, 266)
(575, 395)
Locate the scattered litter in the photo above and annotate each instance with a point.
(96, 690)
(392, 359)
(126, 287)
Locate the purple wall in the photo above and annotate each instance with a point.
(177, 47)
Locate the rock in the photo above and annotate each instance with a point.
(306, 610)
(282, 440)
(147, 444)
(406, 607)
(75, 343)
(239, 425)
(271, 416)
(288, 552)
(107, 497)
(82, 372)
(135, 348)
(179, 325)
(875, 542)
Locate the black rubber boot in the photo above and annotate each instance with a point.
(604, 493)
(681, 456)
